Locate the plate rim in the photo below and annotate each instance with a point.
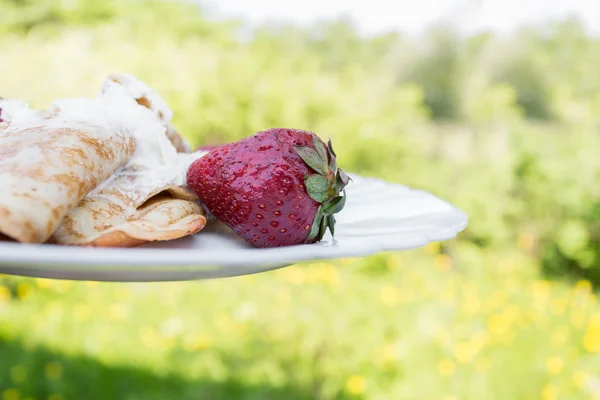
(156, 260)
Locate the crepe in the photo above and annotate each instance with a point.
(113, 222)
(107, 171)
(133, 208)
(181, 145)
(47, 165)
(146, 199)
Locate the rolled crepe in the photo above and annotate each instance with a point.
(146, 199)
(114, 221)
(108, 171)
(49, 163)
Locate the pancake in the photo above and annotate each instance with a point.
(146, 199)
(48, 164)
(106, 171)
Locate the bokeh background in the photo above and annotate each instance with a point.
(504, 124)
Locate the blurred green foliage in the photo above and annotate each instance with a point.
(506, 128)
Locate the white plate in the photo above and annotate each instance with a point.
(378, 216)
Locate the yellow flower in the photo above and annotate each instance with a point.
(391, 263)
(464, 352)
(325, 273)
(11, 394)
(122, 292)
(471, 304)
(241, 328)
(62, 286)
(293, 275)
(446, 367)
(200, 343)
(480, 339)
(499, 324)
(443, 262)
(168, 342)
(554, 365)
(549, 392)
(348, 261)
(579, 379)
(356, 385)
(148, 336)
(18, 373)
(388, 295)
(583, 287)
(591, 340)
(432, 248)
(43, 283)
(24, 290)
(92, 283)
(5, 294)
(53, 371)
(540, 289)
(387, 356)
(82, 313)
(394, 262)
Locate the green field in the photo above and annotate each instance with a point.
(505, 128)
(415, 325)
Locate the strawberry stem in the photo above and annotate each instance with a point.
(324, 187)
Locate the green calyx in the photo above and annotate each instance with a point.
(324, 186)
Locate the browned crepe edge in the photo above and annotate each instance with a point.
(181, 145)
(119, 238)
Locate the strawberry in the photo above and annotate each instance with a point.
(279, 187)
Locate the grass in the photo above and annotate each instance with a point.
(411, 325)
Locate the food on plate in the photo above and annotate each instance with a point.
(123, 211)
(105, 171)
(48, 163)
(278, 187)
(111, 171)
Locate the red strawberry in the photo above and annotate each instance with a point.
(276, 188)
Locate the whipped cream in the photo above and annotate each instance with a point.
(15, 109)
